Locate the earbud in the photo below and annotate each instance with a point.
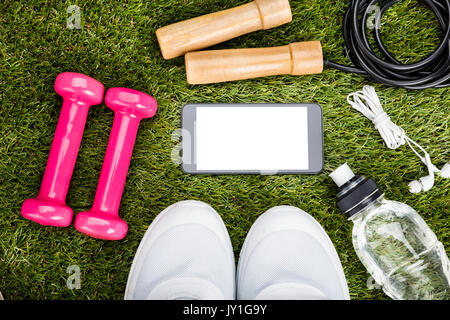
(427, 182)
(445, 171)
(423, 184)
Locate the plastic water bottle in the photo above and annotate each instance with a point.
(393, 242)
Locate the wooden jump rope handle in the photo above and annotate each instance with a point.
(298, 58)
(204, 31)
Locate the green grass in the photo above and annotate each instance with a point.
(117, 46)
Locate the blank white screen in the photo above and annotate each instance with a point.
(252, 138)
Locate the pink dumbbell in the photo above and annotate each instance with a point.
(103, 221)
(79, 92)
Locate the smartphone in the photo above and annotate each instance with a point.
(252, 138)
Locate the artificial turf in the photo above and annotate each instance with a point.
(117, 45)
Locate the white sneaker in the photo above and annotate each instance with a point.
(288, 255)
(186, 253)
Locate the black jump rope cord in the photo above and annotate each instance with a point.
(431, 72)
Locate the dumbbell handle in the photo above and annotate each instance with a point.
(213, 66)
(204, 31)
(116, 163)
(64, 150)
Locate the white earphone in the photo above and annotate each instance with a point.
(368, 103)
(427, 182)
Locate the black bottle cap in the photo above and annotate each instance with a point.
(355, 192)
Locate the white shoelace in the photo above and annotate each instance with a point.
(367, 102)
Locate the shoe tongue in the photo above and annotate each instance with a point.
(291, 291)
(186, 289)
